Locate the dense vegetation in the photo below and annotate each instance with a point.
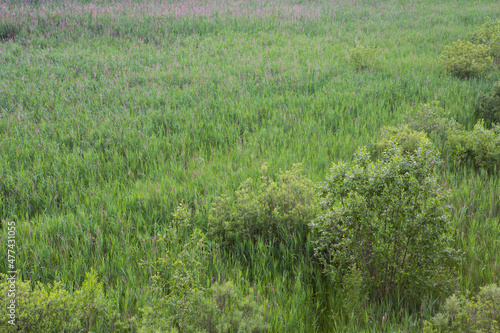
(167, 165)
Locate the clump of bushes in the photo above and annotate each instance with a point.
(481, 146)
(466, 59)
(271, 210)
(408, 138)
(184, 304)
(425, 120)
(489, 106)
(223, 309)
(227, 309)
(389, 218)
(364, 57)
(431, 119)
(51, 308)
(177, 281)
(45, 309)
(489, 35)
(460, 314)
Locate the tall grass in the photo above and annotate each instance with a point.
(111, 113)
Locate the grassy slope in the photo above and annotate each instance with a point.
(109, 119)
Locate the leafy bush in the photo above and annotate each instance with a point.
(465, 59)
(98, 313)
(223, 309)
(424, 120)
(228, 310)
(460, 314)
(363, 57)
(272, 211)
(45, 309)
(489, 107)
(389, 219)
(177, 278)
(355, 298)
(480, 146)
(407, 138)
(50, 308)
(489, 34)
(184, 304)
(431, 119)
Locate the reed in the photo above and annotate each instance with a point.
(112, 113)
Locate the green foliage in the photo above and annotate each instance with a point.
(389, 218)
(489, 34)
(489, 107)
(481, 146)
(466, 59)
(228, 310)
(355, 296)
(274, 210)
(431, 119)
(50, 308)
(177, 278)
(365, 57)
(408, 139)
(185, 103)
(463, 315)
(181, 217)
(98, 311)
(425, 120)
(184, 304)
(223, 309)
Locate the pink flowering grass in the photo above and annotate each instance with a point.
(149, 20)
(178, 9)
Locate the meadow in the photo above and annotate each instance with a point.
(112, 113)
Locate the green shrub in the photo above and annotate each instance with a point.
(407, 138)
(431, 119)
(98, 312)
(480, 146)
(389, 218)
(183, 303)
(460, 314)
(489, 35)
(363, 57)
(465, 59)
(223, 309)
(489, 106)
(178, 278)
(355, 297)
(228, 310)
(272, 211)
(50, 308)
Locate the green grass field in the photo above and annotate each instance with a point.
(112, 113)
